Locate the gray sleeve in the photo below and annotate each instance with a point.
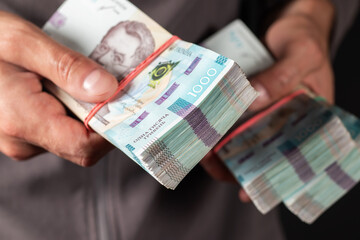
(346, 11)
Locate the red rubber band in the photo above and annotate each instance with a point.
(130, 77)
(257, 118)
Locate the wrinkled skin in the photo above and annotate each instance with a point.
(33, 121)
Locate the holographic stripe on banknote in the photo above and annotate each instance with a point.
(139, 119)
(167, 94)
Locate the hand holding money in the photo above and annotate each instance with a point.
(299, 40)
(30, 119)
(311, 194)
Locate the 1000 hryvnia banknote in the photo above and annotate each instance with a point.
(175, 110)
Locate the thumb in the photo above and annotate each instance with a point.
(277, 81)
(27, 46)
(79, 76)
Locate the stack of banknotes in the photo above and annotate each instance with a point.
(292, 152)
(314, 198)
(300, 151)
(175, 110)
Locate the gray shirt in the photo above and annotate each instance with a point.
(49, 198)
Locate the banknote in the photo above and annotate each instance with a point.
(286, 147)
(236, 41)
(318, 195)
(175, 110)
(319, 191)
(114, 33)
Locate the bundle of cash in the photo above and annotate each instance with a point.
(175, 110)
(307, 175)
(279, 150)
(314, 198)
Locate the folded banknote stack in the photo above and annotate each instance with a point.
(310, 201)
(300, 151)
(175, 109)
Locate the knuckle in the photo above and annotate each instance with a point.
(315, 52)
(50, 104)
(8, 43)
(285, 77)
(14, 32)
(31, 77)
(10, 129)
(83, 154)
(78, 151)
(87, 161)
(14, 152)
(32, 81)
(66, 64)
(80, 147)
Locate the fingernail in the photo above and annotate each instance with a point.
(99, 83)
(262, 100)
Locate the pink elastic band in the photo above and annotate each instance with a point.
(257, 118)
(130, 77)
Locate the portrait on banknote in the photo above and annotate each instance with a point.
(122, 48)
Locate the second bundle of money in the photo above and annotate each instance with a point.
(299, 151)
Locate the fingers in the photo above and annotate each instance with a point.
(33, 120)
(274, 83)
(69, 139)
(243, 196)
(26, 45)
(321, 82)
(283, 77)
(48, 127)
(17, 149)
(216, 169)
(301, 53)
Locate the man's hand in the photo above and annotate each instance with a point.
(299, 40)
(33, 121)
